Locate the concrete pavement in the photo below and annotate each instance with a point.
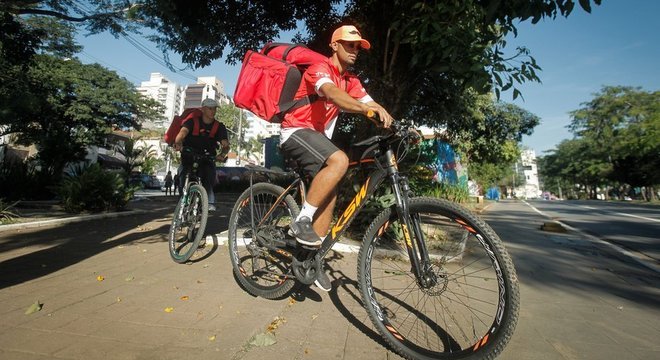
(110, 291)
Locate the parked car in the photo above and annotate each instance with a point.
(145, 181)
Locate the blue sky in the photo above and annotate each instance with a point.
(617, 44)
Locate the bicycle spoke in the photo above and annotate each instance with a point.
(457, 304)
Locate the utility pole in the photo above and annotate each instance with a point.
(240, 136)
(559, 186)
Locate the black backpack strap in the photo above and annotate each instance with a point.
(289, 47)
(292, 105)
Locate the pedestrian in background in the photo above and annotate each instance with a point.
(168, 184)
(177, 186)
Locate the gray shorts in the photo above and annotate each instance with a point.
(309, 149)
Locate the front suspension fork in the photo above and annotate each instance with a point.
(415, 242)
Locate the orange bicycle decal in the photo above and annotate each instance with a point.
(480, 343)
(383, 228)
(466, 226)
(393, 331)
(355, 203)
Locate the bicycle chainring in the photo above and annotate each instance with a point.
(306, 270)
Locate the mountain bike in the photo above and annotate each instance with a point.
(191, 212)
(435, 279)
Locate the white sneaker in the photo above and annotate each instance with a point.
(211, 207)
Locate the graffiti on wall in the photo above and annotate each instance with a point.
(448, 165)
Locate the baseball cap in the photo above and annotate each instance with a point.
(209, 103)
(350, 33)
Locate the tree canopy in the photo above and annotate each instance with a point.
(424, 53)
(54, 101)
(617, 141)
(431, 61)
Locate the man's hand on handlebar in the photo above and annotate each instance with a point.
(380, 114)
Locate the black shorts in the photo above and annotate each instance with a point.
(309, 149)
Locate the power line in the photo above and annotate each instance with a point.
(157, 58)
(85, 10)
(124, 72)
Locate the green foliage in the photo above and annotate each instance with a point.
(420, 48)
(7, 213)
(71, 107)
(491, 131)
(489, 174)
(23, 181)
(452, 192)
(617, 142)
(90, 188)
(230, 115)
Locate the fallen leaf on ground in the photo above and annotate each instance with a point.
(185, 297)
(169, 309)
(212, 338)
(130, 278)
(34, 308)
(263, 339)
(100, 278)
(275, 324)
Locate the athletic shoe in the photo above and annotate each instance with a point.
(304, 232)
(323, 281)
(211, 207)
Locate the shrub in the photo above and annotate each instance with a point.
(22, 181)
(7, 215)
(453, 193)
(90, 188)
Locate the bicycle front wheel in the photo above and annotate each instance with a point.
(188, 224)
(466, 306)
(258, 225)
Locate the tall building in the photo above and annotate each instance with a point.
(165, 92)
(530, 189)
(206, 87)
(257, 127)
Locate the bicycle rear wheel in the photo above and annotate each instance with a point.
(468, 310)
(258, 266)
(188, 224)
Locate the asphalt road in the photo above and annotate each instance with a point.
(634, 227)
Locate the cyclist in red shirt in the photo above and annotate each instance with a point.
(306, 132)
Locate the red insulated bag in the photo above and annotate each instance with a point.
(269, 80)
(175, 126)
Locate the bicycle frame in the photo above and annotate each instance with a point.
(387, 169)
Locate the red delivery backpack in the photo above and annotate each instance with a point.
(269, 80)
(175, 126)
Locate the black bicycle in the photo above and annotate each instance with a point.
(191, 212)
(436, 280)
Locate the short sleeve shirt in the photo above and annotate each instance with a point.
(203, 141)
(322, 114)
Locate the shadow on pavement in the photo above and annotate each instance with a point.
(62, 246)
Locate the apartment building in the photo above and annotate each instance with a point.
(206, 87)
(257, 127)
(165, 92)
(530, 189)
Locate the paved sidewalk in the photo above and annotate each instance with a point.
(110, 291)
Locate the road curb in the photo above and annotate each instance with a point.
(68, 220)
